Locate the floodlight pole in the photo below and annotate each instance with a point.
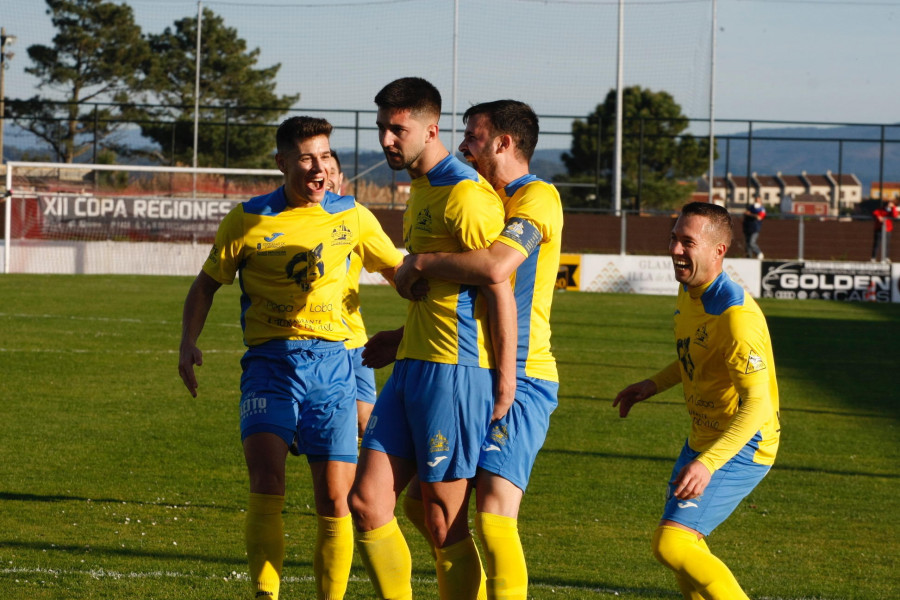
(712, 105)
(455, 75)
(197, 92)
(4, 40)
(617, 155)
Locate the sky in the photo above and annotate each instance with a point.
(807, 61)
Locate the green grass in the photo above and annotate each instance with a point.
(115, 483)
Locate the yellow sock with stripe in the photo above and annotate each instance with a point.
(387, 560)
(459, 571)
(692, 561)
(264, 537)
(333, 556)
(507, 574)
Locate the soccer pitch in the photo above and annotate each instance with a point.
(117, 484)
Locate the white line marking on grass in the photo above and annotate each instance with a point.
(102, 319)
(243, 577)
(112, 351)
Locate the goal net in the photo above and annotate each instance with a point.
(119, 219)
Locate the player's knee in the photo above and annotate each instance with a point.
(667, 546)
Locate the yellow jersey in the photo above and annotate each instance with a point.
(293, 263)
(450, 209)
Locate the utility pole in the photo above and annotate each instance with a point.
(4, 54)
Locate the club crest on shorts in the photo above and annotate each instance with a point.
(438, 443)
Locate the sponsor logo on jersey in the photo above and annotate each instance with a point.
(273, 237)
(491, 448)
(306, 267)
(436, 461)
(251, 404)
(755, 363)
(271, 247)
(213, 254)
(688, 504)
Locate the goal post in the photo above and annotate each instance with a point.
(119, 219)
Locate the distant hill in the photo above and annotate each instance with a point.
(789, 150)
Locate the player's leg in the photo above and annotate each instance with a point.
(265, 454)
(334, 538)
(268, 424)
(684, 551)
(678, 541)
(365, 391)
(386, 464)
(507, 459)
(382, 547)
(458, 565)
(327, 435)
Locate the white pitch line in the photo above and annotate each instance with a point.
(243, 578)
(101, 319)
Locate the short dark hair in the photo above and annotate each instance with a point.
(337, 161)
(410, 93)
(719, 218)
(510, 117)
(297, 129)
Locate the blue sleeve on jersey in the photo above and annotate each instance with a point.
(722, 295)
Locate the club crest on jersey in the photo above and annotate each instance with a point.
(423, 220)
(523, 232)
(438, 443)
(755, 363)
(341, 235)
(306, 267)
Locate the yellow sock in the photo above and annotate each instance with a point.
(264, 537)
(333, 555)
(415, 512)
(459, 571)
(691, 560)
(387, 560)
(507, 575)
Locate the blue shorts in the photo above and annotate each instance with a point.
(435, 415)
(301, 389)
(513, 442)
(728, 486)
(365, 377)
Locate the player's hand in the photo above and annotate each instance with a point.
(381, 349)
(691, 480)
(634, 393)
(504, 396)
(406, 276)
(188, 356)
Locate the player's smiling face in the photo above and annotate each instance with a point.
(305, 169)
(478, 146)
(696, 254)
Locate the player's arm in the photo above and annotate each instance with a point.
(640, 391)
(196, 309)
(381, 349)
(502, 320)
(485, 266)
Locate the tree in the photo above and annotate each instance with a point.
(237, 101)
(95, 57)
(656, 152)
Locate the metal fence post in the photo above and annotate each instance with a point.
(800, 241)
(622, 234)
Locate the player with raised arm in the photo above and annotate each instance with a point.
(290, 249)
(435, 408)
(727, 371)
(499, 142)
